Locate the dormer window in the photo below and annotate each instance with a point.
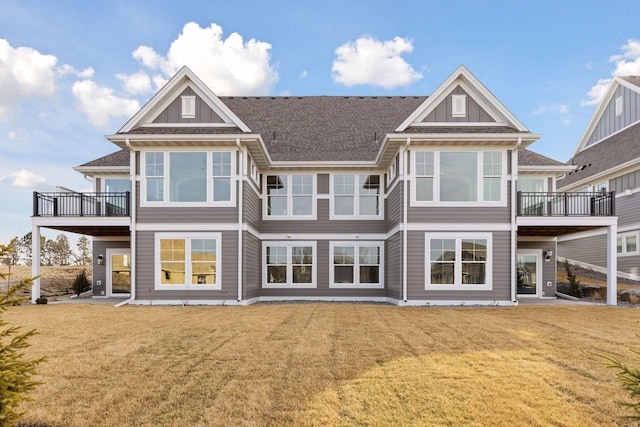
(459, 105)
(619, 106)
(188, 107)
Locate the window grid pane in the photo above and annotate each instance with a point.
(302, 264)
(203, 261)
(172, 261)
(369, 190)
(277, 195)
(443, 258)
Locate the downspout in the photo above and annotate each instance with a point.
(132, 227)
(405, 263)
(240, 207)
(514, 224)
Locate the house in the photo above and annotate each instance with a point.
(607, 159)
(400, 199)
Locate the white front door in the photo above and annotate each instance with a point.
(529, 273)
(118, 272)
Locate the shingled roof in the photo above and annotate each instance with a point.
(635, 80)
(119, 158)
(529, 158)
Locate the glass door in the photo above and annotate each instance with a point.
(119, 272)
(527, 274)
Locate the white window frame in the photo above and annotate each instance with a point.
(459, 105)
(253, 170)
(209, 178)
(289, 196)
(480, 180)
(488, 286)
(356, 195)
(158, 286)
(289, 245)
(392, 173)
(356, 266)
(623, 237)
(188, 110)
(619, 106)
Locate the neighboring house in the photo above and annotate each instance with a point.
(407, 200)
(607, 158)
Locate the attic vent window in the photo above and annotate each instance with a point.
(459, 105)
(188, 107)
(619, 106)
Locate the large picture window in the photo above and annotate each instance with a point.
(356, 196)
(188, 178)
(190, 261)
(290, 196)
(356, 265)
(458, 261)
(458, 177)
(289, 264)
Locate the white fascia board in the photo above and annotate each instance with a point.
(567, 221)
(85, 221)
(473, 86)
(94, 170)
(416, 138)
(558, 171)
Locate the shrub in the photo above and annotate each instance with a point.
(575, 290)
(81, 283)
(41, 300)
(629, 379)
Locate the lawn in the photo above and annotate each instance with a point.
(327, 365)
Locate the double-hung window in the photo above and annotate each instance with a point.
(356, 265)
(356, 196)
(188, 261)
(290, 196)
(627, 244)
(458, 261)
(289, 264)
(458, 177)
(188, 178)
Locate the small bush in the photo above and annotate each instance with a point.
(575, 290)
(81, 283)
(41, 300)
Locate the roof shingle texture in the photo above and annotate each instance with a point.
(119, 158)
(529, 158)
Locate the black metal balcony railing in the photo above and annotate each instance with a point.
(566, 204)
(81, 204)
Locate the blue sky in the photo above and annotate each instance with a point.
(73, 71)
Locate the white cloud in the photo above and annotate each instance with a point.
(554, 108)
(368, 61)
(100, 104)
(25, 179)
(136, 84)
(228, 66)
(304, 74)
(627, 64)
(67, 69)
(24, 73)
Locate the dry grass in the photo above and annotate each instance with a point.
(327, 365)
(54, 280)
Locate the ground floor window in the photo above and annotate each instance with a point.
(289, 264)
(458, 261)
(356, 265)
(627, 244)
(187, 261)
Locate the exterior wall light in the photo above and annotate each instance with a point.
(100, 259)
(548, 254)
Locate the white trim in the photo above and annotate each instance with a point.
(611, 173)
(80, 221)
(619, 106)
(289, 198)
(458, 105)
(197, 302)
(356, 264)
(188, 106)
(209, 177)
(289, 266)
(457, 285)
(356, 198)
(598, 268)
(109, 252)
(458, 124)
(189, 125)
(458, 303)
(187, 237)
(188, 227)
(567, 221)
(539, 260)
(624, 237)
(454, 226)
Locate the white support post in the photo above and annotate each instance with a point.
(35, 263)
(612, 265)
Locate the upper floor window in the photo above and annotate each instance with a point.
(458, 105)
(458, 177)
(290, 196)
(392, 173)
(356, 195)
(188, 107)
(188, 177)
(253, 170)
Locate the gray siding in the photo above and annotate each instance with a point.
(323, 183)
(442, 113)
(251, 266)
(172, 114)
(592, 250)
(163, 214)
(502, 266)
(145, 272)
(548, 267)
(628, 209)
(394, 207)
(393, 266)
(100, 271)
(610, 123)
(622, 183)
(252, 207)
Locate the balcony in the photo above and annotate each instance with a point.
(93, 214)
(536, 204)
(69, 204)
